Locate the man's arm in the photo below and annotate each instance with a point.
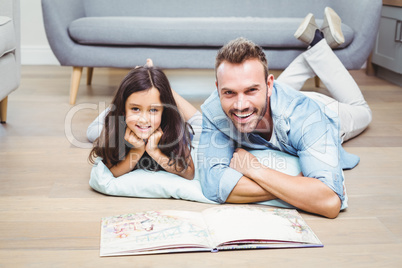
(215, 150)
(309, 194)
(248, 191)
(315, 139)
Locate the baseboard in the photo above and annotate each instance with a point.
(38, 55)
(192, 83)
(188, 83)
(389, 75)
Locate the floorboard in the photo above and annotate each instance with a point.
(50, 217)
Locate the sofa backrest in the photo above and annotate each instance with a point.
(352, 11)
(205, 8)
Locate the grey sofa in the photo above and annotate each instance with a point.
(187, 33)
(10, 60)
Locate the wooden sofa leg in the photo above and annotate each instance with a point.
(3, 110)
(75, 83)
(90, 72)
(317, 81)
(370, 70)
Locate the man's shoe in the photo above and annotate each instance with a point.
(306, 30)
(332, 29)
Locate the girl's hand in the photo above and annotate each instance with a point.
(153, 140)
(132, 158)
(152, 149)
(133, 139)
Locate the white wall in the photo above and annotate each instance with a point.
(35, 49)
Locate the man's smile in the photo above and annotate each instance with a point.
(242, 116)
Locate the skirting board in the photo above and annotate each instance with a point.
(37, 55)
(188, 83)
(389, 75)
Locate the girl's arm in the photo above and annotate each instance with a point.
(154, 152)
(163, 161)
(132, 158)
(128, 163)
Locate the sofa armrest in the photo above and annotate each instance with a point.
(11, 9)
(57, 15)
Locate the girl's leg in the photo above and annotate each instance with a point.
(196, 123)
(191, 115)
(185, 108)
(95, 128)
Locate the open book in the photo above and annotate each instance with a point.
(223, 227)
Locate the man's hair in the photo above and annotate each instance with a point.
(240, 50)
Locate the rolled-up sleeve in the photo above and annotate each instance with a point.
(319, 153)
(215, 151)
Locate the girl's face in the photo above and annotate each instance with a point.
(144, 112)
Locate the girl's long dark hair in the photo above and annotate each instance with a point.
(175, 141)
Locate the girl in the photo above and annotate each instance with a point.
(144, 129)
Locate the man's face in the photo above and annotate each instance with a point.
(244, 93)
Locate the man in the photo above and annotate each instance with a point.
(250, 110)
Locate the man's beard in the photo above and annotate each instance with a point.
(252, 125)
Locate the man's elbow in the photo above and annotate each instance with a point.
(332, 207)
(213, 197)
(210, 192)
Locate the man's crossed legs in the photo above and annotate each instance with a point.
(319, 60)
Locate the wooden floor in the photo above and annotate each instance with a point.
(50, 217)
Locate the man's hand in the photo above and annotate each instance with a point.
(244, 162)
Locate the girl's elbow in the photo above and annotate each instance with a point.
(190, 176)
(190, 171)
(187, 173)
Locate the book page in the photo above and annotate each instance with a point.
(256, 224)
(153, 231)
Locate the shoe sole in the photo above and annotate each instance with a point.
(303, 33)
(334, 25)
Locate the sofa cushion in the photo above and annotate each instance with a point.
(189, 32)
(8, 40)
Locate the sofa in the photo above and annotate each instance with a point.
(186, 34)
(10, 59)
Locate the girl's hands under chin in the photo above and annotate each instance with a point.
(133, 139)
(153, 140)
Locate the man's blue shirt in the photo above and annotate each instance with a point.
(301, 127)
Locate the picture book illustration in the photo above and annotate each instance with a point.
(257, 223)
(217, 228)
(152, 229)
